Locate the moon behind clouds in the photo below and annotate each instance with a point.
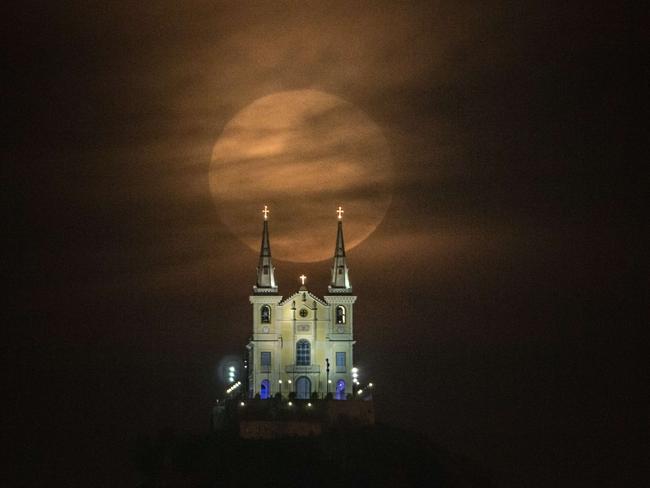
(303, 153)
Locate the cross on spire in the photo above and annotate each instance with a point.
(302, 278)
(340, 282)
(265, 277)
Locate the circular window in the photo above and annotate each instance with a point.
(303, 312)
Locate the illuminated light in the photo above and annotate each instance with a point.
(340, 211)
(355, 370)
(280, 381)
(309, 404)
(359, 392)
(242, 404)
(266, 212)
(329, 381)
(289, 381)
(302, 278)
(370, 385)
(290, 404)
(231, 368)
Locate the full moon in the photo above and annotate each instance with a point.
(303, 153)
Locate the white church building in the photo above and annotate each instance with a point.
(301, 344)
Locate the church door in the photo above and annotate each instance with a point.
(303, 388)
(265, 390)
(340, 390)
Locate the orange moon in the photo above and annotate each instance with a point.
(303, 153)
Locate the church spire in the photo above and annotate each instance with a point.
(265, 270)
(340, 282)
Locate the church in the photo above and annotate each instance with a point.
(302, 345)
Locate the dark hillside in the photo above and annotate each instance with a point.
(373, 456)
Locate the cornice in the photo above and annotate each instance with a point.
(350, 299)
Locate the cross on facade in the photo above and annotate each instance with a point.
(265, 212)
(340, 212)
(302, 278)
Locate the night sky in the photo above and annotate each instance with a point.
(496, 297)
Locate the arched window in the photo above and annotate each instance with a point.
(340, 314)
(340, 390)
(266, 314)
(303, 353)
(265, 390)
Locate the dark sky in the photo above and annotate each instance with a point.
(496, 297)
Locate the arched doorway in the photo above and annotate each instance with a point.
(340, 390)
(264, 390)
(303, 388)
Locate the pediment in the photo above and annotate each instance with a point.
(298, 296)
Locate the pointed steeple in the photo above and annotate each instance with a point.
(265, 270)
(340, 282)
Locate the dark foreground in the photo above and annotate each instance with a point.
(369, 456)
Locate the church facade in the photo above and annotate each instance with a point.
(302, 344)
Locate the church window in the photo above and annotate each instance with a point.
(266, 314)
(340, 360)
(265, 390)
(266, 269)
(340, 315)
(303, 353)
(265, 361)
